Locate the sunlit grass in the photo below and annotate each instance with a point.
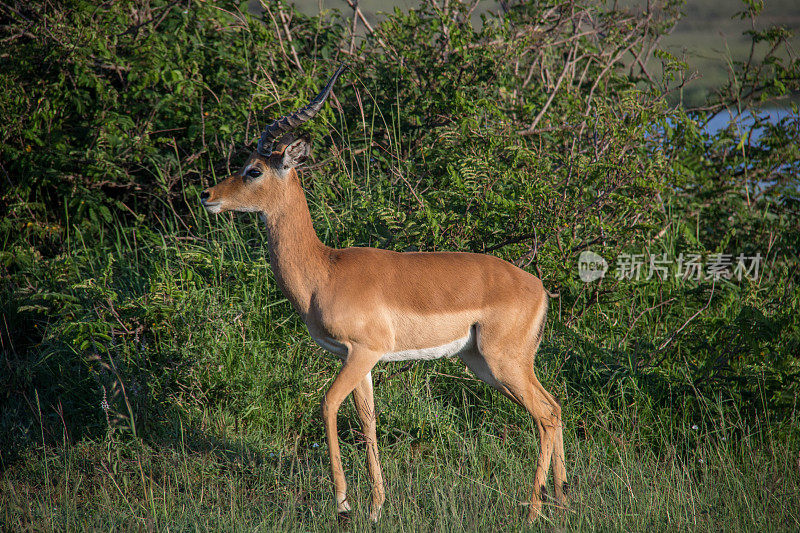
(463, 478)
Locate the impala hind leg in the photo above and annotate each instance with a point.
(547, 414)
(514, 377)
(559, 467)
(358, 364)
(519, 383)
(365, 406)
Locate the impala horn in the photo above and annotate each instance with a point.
(291, 121)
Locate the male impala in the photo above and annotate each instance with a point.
(367, 305)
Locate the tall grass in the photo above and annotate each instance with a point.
(464, 477)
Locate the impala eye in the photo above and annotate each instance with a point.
(253, 172)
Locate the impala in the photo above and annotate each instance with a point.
(367, 305)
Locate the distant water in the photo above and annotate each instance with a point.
(744, 121)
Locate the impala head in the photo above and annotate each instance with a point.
(265, 178)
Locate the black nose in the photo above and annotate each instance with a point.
(204, 195)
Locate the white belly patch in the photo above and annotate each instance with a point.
(434, 352)
(450, 349)
(331, 345)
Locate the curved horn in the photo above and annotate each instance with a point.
(289, 122)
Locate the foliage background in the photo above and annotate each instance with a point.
(128, 312)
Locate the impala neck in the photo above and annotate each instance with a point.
(300, 261)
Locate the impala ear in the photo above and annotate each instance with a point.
(295, 153)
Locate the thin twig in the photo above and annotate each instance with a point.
(530, 130)
(357, 11)
(640, 315)
(285, 21)
(666, 342)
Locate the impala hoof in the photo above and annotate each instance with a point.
(375, 515)
(563, 498)
(533, 515)
(344, 519)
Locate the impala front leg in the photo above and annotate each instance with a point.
(357, 365)
(365, 406)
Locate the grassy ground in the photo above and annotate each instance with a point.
(464, 478)
(224, 387)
